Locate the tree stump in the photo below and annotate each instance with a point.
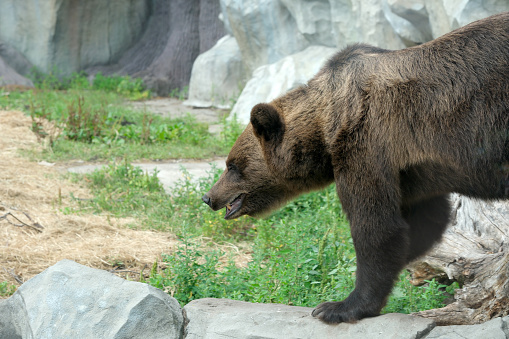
(475, 252)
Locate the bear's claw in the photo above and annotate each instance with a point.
(342, 311)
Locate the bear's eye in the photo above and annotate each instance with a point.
(234, 172)
(232, 168)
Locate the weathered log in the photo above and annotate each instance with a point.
(475, 252)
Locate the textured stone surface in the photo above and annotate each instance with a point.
(493, 329)
(446, 15)
(389, 24)
(270, 81)
(70, 300)
(264, 29)
(156, 40)
(363, 21)
(70, 35)
(409, 19)
(222, 318)
(9, 76)
(14, 322)
(268, 31)
(15, 59)
(175, 34)
(218, 76)
(313, 19)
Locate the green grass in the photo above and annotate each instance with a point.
(131, 88)
(406, 298)
(301, 255)
(7, 289)
(96, 124)
(180, 94)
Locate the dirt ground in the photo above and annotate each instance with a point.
(35, 233)
(174, 108)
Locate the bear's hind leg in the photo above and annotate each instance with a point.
(427, 220)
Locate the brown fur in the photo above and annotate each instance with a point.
(396, 131)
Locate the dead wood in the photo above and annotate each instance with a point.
(34, 225)
(475, 252)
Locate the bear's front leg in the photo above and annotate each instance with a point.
(381, 240)
(372, 287)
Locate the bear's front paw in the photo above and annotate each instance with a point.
(331, 313)
(339, 312)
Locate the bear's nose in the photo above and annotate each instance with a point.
(206, 199)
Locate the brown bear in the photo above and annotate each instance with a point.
(396, 131)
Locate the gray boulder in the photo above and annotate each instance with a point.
(217, 76)
(409, 19)
(156, 40)
(268, 31)
(497, 328)
(15, 59)
(174, 35)
(445, 15)
(222, 318)
(265, 30)
(270, 81)
(14, 320)
(70, 300)
(8, 76)
(364, 21)
(313, 19)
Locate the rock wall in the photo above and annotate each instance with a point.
(157, 40)
(8, 76)
(268, 31)
(71, 34)
(217, 75)
(269, 81)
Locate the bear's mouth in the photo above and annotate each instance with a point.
(234, 206)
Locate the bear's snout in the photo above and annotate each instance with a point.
(206, 199)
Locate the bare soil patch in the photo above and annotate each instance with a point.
(175, 108)
(36, 194)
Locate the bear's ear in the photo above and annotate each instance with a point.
(267, 123)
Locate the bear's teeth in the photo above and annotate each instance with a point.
(228, 206)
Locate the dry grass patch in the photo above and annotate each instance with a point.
(34, 193)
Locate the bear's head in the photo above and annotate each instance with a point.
(270, 163)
